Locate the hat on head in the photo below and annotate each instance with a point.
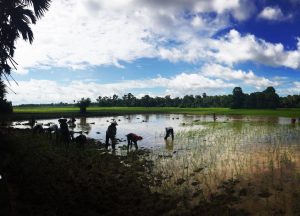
(61, 120)
(114, 123)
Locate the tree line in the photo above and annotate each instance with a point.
(267, 99)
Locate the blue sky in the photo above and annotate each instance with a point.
(93, 48)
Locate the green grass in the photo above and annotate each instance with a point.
(99, 111)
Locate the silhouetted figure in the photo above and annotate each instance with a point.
(38, 129)
(214, 117)
(72, 120)
(169, 131)
(111, 134)
(53, 130)
(133, 138)
(80, 140)
(32, 122)
(64, 131)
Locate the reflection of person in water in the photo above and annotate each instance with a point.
(83, 125)
(169, 144)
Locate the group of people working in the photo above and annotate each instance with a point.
(66, 136)
(132, 138)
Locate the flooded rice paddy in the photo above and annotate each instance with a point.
(260, 154)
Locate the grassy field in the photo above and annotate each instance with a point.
(46, 111)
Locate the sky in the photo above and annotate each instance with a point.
(92, 48)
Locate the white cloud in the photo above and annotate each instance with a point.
(273, 13)
(211, 78)
(77, 34)
(292, 89)
(233, 48)
(34, 91)
(229, 74)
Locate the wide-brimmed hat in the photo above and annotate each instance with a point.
(61, 120)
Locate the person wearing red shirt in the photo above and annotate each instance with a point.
(133, 138)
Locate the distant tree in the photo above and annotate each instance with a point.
(198, 101)
(187, 101)
(271, 99)
(168, 101)
(83, 104)
(146, 101)
(237, 98)
(251, 100)
(260, 100)
(129, 99)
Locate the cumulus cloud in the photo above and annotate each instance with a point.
(234, 48)
(248, 78)
(291, 89)
(78, 34)
(211, 78)
(273, 13)
(34, 91)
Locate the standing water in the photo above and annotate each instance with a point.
(255, 150)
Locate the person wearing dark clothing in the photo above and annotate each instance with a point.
(133, 138)
(64, 131)
(169, 131)
(38, 129)
(111, 135)
(80, 140)
(214, 117)
(32, 122)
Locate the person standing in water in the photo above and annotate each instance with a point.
(111, 135)
(169, 132)
(214, 117)
(64, 131)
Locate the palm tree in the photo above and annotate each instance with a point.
(16, 16)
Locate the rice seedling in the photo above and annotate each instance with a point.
(236, 150)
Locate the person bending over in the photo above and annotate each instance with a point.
(133, 138)
(169, 132)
